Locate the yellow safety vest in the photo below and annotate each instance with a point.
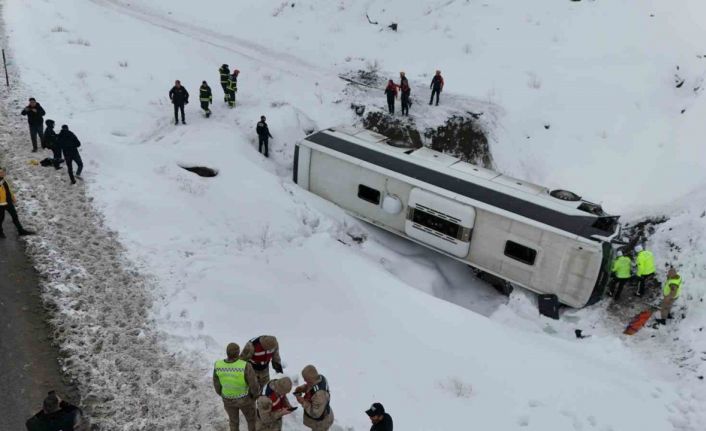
(622, 267)
(667, 289)
(232, 378)
(3, 196)
(645, 261)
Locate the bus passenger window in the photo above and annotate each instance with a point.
(520, 252)
(369, 194)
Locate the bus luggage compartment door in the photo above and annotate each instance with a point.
(440, 222)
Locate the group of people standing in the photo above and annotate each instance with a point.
(243, 382)
(392, 89)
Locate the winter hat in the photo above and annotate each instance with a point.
(204, 83)
(64, 127)
(232, 350)
(638, 248)
(268, 342)
(225, 65)
(49, 122)
(51, 402)
(282, 386)
(402, 73)
(375, 410)
(310, 373)
(236, 72)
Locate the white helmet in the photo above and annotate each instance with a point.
(620, 253)
(638, 248)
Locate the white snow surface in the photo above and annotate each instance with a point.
(214, 260)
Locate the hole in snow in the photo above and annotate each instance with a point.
(201, 171)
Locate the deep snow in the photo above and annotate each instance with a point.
(199, 262)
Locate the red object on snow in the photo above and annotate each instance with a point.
(638, 322)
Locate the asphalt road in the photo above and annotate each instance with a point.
(28, 365)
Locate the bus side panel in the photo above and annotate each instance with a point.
(302, 162)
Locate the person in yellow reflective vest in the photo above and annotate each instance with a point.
(236, 383)
(7, 203)
(645, 263)
(671, 291)
(622, 271)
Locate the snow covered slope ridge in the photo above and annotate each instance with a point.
(588, 101)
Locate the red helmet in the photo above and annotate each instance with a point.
(236, 71)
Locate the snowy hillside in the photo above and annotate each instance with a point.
(578, 95)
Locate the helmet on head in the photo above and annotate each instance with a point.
(638, 248)
(619, 253)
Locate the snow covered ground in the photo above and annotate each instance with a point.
(153, 270)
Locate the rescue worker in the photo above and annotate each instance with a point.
(391, 93)
(437, 84)
(35, 119)
(225, 79)
(405, 92)
(671, 291)
(645, 262)
(260, 351)
(273, 404)
(69, 143)
(622, 271)
(7, 203)
(206, 98)
(233, 87)
(381, 420)
(235, 382)
(179, 97)
(315, 397)
(263, 135)
(57, 415)
(51, 140)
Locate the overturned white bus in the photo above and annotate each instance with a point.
(548, 242)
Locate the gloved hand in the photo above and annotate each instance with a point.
(277, 367)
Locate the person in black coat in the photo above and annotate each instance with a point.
(391, 93)
(69, 143)
(179, 97)
(35, 118)
(57, 415)
(50, 139)
(405, 92)
(437, 84)
(381, 420)
(263, 135)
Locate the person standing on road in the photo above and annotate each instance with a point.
(179, 97)
(69, 144)
(315, 397)
(645, 262)
(381, 420)
(50, 139)
(225, 80)
(436, 86)
(57, 415)
(7, 203)
(206, 98)
(263, 135)
(405, 92)
(235, 382)
(671, 291)
(391, 93)
(233, 87)
(35, 118)
(273, 404)
(622, 271)
(260, 351)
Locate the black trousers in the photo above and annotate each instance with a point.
(71, 157)
(204, 106)
(35, 130)
(178, 107)
(391, 104)
(13, 213)
(57, 156)
(616, 287)
(433, 92)
(405, 104)
(263, 141)
(224, 86)
(642, 283)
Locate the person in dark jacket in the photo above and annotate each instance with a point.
(391, 93)
(69, 143)
(35, 118)
(225, 79)
(206, 98)
(437, 84)
(57, 415)
(405, 92)
(7, 203)
(381, 420)
(179, 97)
(263, 135)
(50, 139)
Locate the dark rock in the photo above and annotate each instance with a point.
(402, 133)
(201, 171)
(393, 26)
(461, 137)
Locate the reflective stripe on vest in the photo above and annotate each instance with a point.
(232, 378)
(321, 386)
(645, 261)
(260, 356)
(277, 401)
(4, 198)
(666, 290)
(622, 267)
(225, 75)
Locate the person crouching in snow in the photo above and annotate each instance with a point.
(50, 139)
(206, 98)
(69, 143)
(391, 93)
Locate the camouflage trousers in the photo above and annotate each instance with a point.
(233, 408)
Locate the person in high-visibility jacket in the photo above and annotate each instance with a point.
(206, 98)
(671, 291)
(622, 271)
(235, 382)
(225, 79)
(7, 203)
(233, 87)
(645, 262)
